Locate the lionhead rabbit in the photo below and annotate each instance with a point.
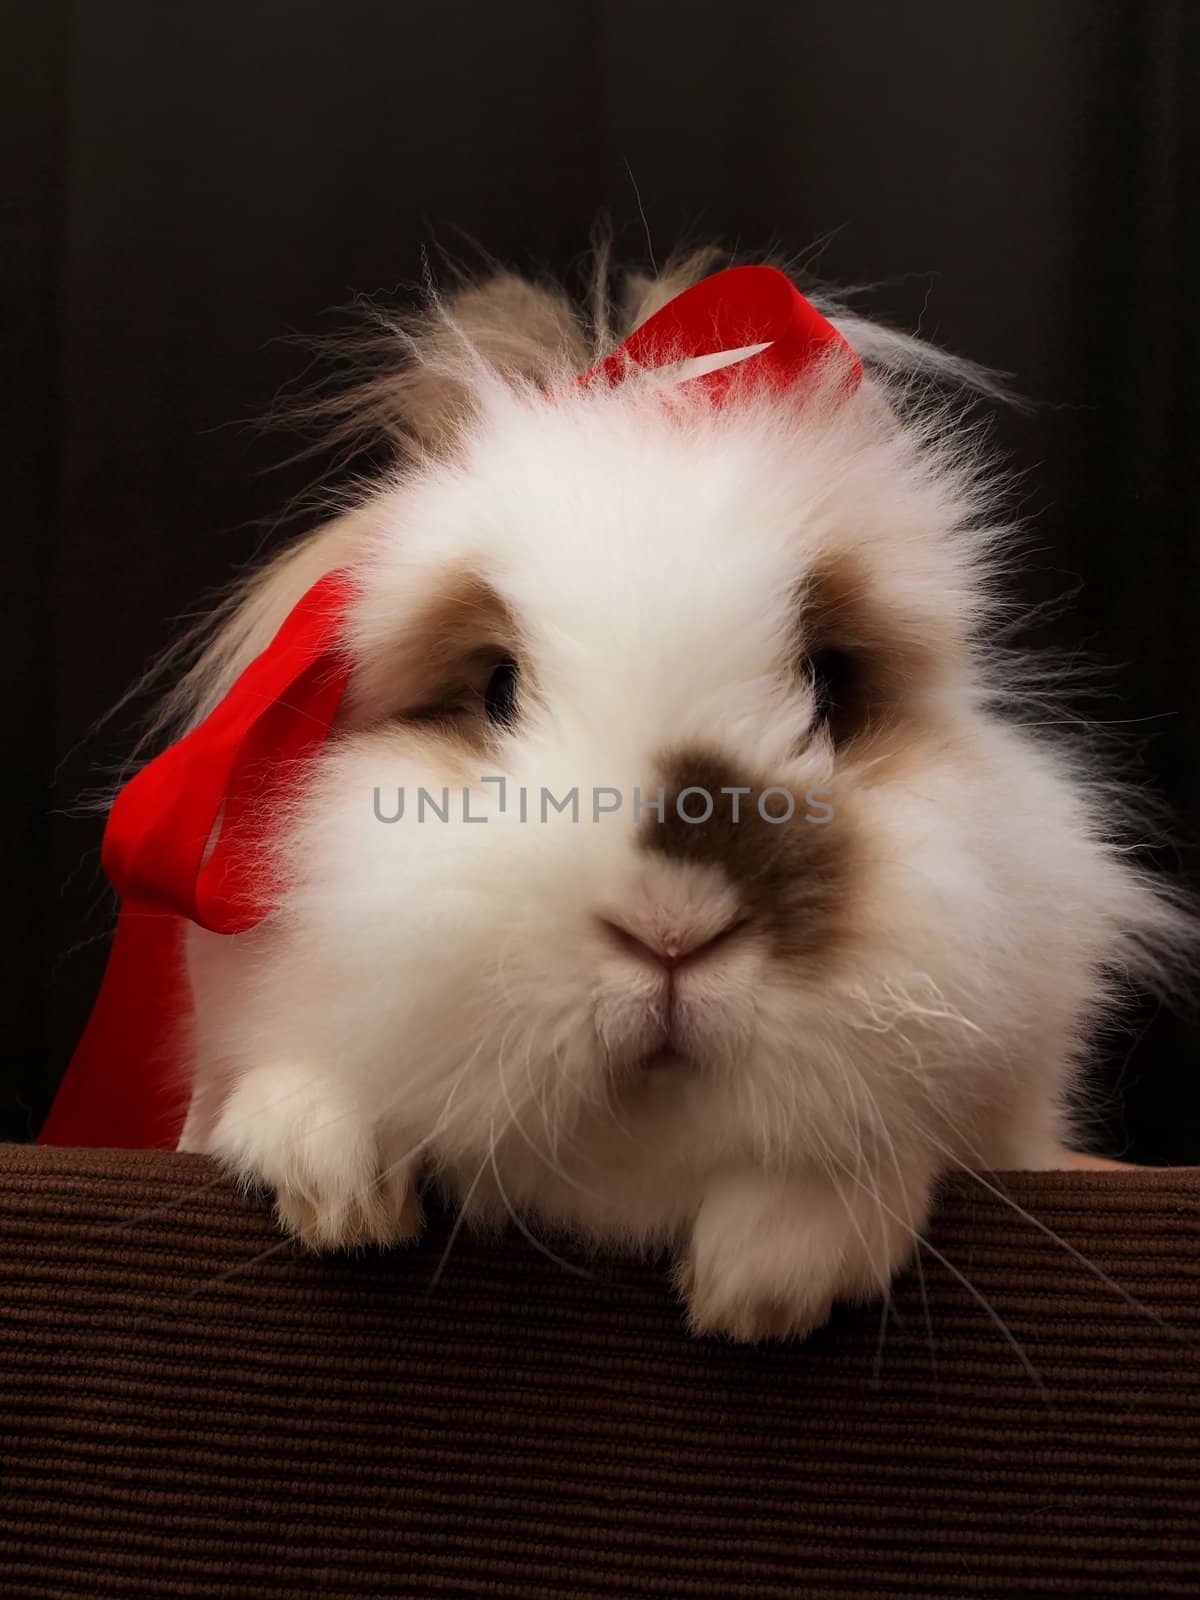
(675, 872)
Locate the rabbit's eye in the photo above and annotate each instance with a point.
(833, 675)
(500, 695)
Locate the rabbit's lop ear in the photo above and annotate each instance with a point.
(184, 843)
(185, 833)
(252, 614)
(422, 374)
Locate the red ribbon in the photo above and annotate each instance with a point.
(185, 836)
(183, 844)
(733, 310)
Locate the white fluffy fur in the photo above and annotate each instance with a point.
(441, 994)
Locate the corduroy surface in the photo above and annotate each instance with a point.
(190, 1410)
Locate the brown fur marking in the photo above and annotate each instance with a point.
(794, 877)
(838, 609)
(438, 668)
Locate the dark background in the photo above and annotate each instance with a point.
(187, 182)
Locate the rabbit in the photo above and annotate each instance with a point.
(824, 920)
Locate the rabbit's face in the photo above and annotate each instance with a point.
(657, 796)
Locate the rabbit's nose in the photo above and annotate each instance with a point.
(668, 950)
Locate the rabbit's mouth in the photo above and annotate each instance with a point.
(665, 1056)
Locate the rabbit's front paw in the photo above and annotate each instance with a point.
(768, 1257)
(336, 1182)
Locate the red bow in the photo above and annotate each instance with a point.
(735, 310)
(184, 836)
(180, 846)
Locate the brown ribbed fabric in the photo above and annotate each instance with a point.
(183, 1414)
